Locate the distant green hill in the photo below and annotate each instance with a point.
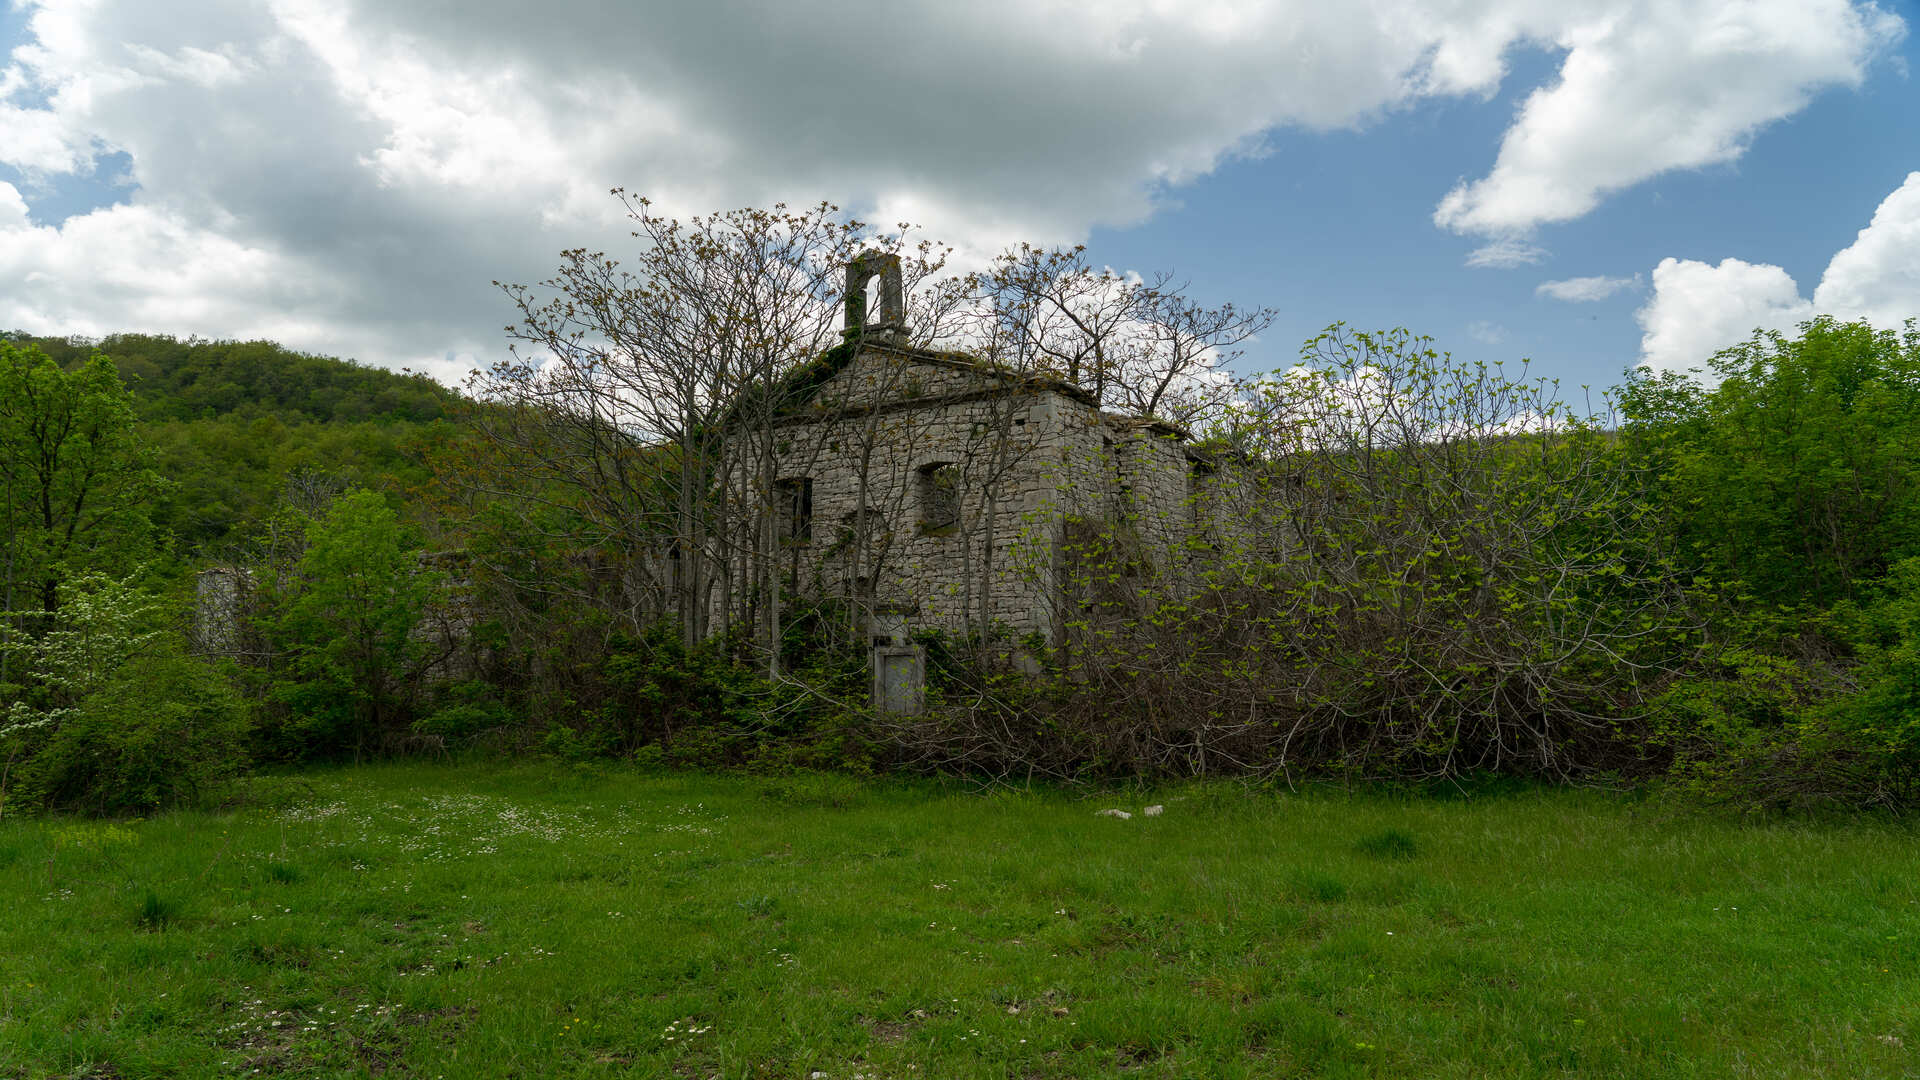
(195, 379)
(230, 421)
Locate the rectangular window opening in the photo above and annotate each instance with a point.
(793, 507)
(939, 492)
(1200, 492)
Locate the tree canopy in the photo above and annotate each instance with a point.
(1790, 465)
(75, 487)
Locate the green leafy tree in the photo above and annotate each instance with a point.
(99, 625)
(74, 483)
(348, 623)
(1787, 473)
(1790, 466)
(227, 422)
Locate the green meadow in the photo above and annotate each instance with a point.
(535, 921)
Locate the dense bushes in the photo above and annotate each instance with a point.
(1463, 577)
(164, 730)
(1430, 569)
(688, 705)
(1883, 715)
(1447, 573)
(1789, 481)
(703, 707)
(1803, 708)
(105, 713)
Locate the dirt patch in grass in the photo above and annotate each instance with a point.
(385, 1048)
(889, 1032)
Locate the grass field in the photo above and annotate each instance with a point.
(532, 922)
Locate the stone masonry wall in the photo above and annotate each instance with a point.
(1022, 456)
(890, 432)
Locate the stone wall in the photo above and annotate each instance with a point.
(222, 595)
(905, 437)
(900, 431)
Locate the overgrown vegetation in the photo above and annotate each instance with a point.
(1428, 570)
(1425, 570)
(1788, 481)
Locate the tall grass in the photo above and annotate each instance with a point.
(460, 922)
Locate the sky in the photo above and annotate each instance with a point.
(1587, 185)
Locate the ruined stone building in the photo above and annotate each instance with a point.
(948, 491)
(932, 489)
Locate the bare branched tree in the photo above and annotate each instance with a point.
(1140, 346)
(641, 410)
(1179, 370)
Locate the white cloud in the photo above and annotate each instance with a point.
(1878, 276)
(1698, 309)
(380, 163)
(1506, 253)
(36, 141)
(1585, 290)
(60, 281)
(1486, 333)
(13, 208)
(1655, 88)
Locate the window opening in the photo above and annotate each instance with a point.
(939, 485)
(1200, 492)
(793, 504)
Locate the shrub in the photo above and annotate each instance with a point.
(662, 702)
(465, 711)
(1766, 731)
(651, 691)
(165, 730)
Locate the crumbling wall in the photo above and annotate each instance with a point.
(1023, 461)
(222, 598)
(996, 454)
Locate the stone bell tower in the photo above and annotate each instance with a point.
(889, 325)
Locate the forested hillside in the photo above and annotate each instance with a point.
(197, 380)
(228, 422)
